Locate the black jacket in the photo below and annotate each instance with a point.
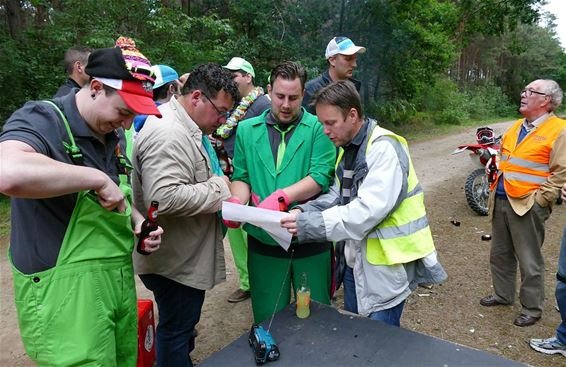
(316, 84)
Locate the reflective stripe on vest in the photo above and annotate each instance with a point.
(525, 166)
(404, 236)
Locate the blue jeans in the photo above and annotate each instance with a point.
(561, 290)
(391, 316)
(179, 309)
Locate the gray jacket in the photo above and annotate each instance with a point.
(378, 181)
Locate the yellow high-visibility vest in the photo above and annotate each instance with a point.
(404, 235)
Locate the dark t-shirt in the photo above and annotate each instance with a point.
(39, 225)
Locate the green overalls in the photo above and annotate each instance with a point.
(83, 310)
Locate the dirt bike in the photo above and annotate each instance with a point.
(484, 155)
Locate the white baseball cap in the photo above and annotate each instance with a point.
(343, 46)
(237, 63)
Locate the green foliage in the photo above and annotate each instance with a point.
(396, 112)
(434, 60)
(33, 67)
(488, 101)
(410, 43)
(493, 17)
(445, 103)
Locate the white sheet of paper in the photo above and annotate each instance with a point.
(268, 220)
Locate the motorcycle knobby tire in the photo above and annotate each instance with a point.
(477, 191)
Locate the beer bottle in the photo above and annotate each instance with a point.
(148, 225)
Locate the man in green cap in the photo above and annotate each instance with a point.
(254, 102)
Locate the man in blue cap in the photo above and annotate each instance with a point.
(166, 85)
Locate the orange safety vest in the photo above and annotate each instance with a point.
(525, 166)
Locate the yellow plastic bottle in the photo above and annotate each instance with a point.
(303, 298)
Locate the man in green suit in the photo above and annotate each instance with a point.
(283, 157)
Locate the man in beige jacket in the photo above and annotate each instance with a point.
(175, 164)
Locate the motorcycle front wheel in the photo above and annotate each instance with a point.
(477, 191)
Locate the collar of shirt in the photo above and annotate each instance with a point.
(531, 125)
(271, 120)
(184, 118)
(359, 137)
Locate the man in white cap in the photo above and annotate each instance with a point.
(341, 55)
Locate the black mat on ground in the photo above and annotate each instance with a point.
(329, 338)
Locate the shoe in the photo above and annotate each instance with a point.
(525, 320)
(239, 296)
(490, 301)
(548, 346)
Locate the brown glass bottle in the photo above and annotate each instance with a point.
(148, 225)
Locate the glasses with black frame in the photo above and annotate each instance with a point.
(220, 113)
(530, 92)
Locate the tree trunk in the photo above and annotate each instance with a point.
(15, 18)
(342, 10)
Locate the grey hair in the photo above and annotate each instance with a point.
(553, 90)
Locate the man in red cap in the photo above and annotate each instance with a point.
(73, 223)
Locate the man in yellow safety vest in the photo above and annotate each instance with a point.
(375, 210)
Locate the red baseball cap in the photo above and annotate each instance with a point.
(137, 94)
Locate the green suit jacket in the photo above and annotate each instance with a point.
(309, 153)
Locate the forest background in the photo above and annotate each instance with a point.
(428, 62)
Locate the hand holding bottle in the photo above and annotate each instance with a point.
(149, 237)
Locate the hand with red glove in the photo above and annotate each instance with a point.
(272, 201)
(229, 223)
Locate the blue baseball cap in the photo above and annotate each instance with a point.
(163, 75)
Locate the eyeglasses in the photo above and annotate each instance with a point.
(220, 113)
(529, 92)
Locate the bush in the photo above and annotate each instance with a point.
(396, 112)
(488, 101)
(446, 104)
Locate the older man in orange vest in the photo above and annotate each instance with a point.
(531, 171)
